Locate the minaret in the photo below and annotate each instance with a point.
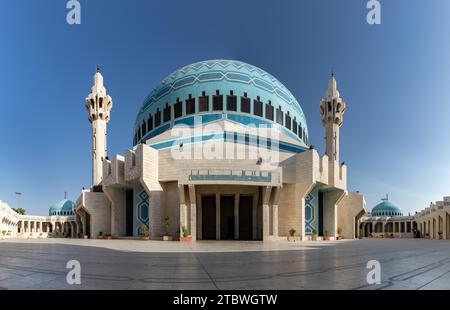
(98, 105)
(332, 109)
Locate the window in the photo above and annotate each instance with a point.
(231, 102)
(300, 131)
(139, 134)
(329, 106)
(279, 116)
(150, 122)
(203, 103)
(217, 102)
(190, 105)
(269, 111)
(178, 108)
(245, 104)
(157, 118)
(144, 128)
(287, 121)
(257, 107)
(294, 125)
(167, 113)
(100, 104)
(304, 135)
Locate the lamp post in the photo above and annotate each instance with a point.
(18, 194)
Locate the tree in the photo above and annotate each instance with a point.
(20, 211)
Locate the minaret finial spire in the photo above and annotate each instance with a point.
(98, 68)
(65, 195)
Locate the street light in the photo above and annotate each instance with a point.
(18, 194)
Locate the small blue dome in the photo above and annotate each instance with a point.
(63, 208)
(386, 208)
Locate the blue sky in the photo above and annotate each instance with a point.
(394, 77)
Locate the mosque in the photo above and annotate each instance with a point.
(221, 151)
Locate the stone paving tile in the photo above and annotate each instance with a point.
(118, 264)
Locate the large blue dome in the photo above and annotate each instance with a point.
(219, 89)
(62, 208)
(386, 208)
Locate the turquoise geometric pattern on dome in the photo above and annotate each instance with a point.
(386, 208)
(218, 78)
(62, 208)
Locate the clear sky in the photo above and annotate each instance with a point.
(395, 78)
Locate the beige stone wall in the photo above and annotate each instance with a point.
(98, 206)
(117, 199)
(349, 207)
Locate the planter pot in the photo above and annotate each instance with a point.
(338, 238)
(85, 237)
(145, 237)
(186, 239)
(167, 238)
(293, 238)
(314, 238)
(108, 237)
(326, 238)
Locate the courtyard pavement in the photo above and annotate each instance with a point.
(136, 264)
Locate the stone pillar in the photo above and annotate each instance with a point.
(217, 216)
(266, 212)
(72, 235)
(444, 226)
(255, 217)
(276, 198)
(236, 216)
(193, 209)
(183, 209)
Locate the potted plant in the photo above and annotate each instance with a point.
(185, 235)
(361, 233)
(143, 232)
(166, 224)
(100, 235)
(84, 237)
(107, 237)
(314, 234)
(292, 236)
(440, 234)
(339, 233)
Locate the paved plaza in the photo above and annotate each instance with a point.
(136, 264)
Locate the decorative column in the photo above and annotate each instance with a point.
(276, 198)
(193, 209)
(266, 212)
(217, 216)
(183, 209)
(236, 216)
(255, 217)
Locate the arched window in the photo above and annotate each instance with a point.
(217, 101)
(178, 108)
(231, 102)
(245, 104)
(203, 102)
(269, 111)
(167, 113)
(257, 107)
(190, 105)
